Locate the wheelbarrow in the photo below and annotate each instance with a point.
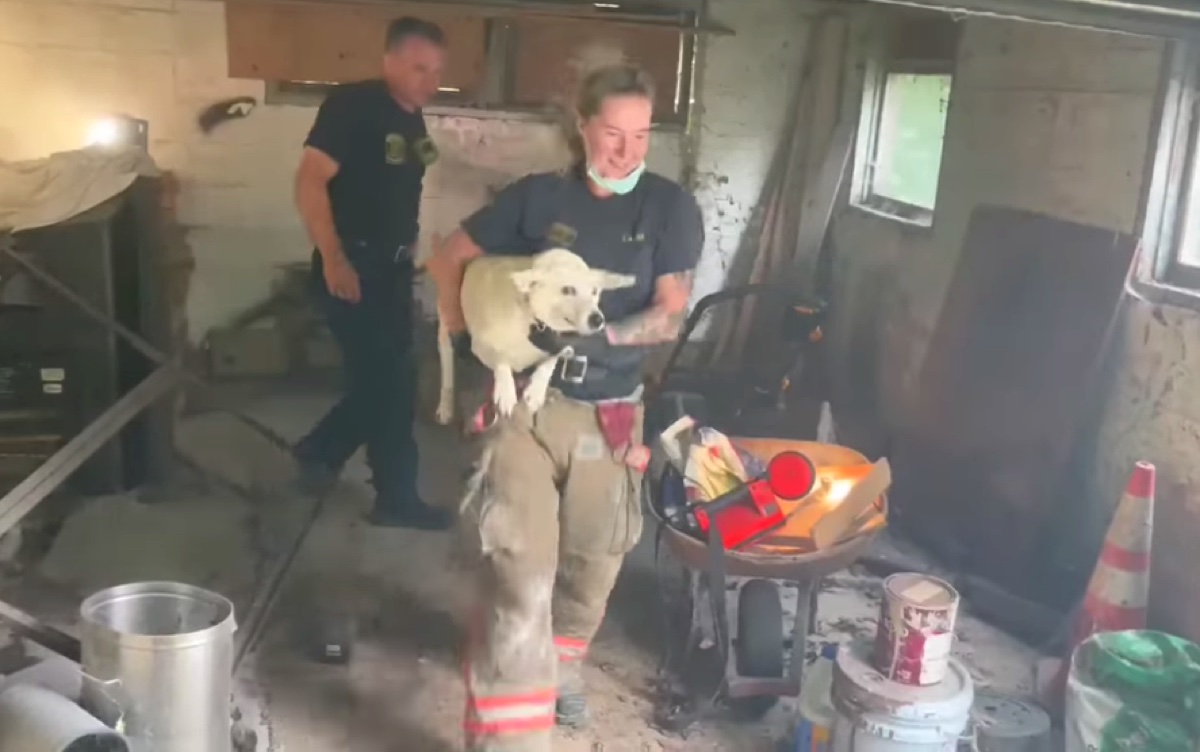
(756, 669)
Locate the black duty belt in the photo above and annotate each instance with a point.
(579, 378)
(398, 254)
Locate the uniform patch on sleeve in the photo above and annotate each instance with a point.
(427, 151)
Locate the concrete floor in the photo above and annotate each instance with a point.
(401, 691)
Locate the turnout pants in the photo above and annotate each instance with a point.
(378, 408)
(548, 516)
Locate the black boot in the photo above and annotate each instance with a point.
(411, 514)
(571, 710)
(314, 476)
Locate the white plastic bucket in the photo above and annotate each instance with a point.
(876, 714)
(1088, 707)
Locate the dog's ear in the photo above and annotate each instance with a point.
(525, 280)
(610, 281)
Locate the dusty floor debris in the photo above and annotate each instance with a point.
(402, 689)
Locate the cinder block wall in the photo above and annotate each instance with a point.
(65, 64)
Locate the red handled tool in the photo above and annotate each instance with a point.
(752, 509)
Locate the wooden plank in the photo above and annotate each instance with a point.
(512, 9)
(270, 40)
(549, 52)
(834, 526)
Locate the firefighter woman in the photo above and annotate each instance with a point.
(554, 504)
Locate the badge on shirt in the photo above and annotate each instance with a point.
(395, 149)
(426, 150)
(560, 235)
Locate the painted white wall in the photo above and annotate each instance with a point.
(66, 63)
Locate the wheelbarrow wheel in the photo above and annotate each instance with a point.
(759, 648)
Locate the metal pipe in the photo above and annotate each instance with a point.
(134, 339)
(55, 470)
(28, 627)
(35, 719)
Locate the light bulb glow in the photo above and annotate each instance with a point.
(106, 132)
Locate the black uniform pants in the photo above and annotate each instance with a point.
(378, 407)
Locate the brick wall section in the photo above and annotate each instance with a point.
(747, 82)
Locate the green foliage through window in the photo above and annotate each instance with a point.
(908, 146)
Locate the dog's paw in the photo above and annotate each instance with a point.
(534, 398)
(445, 411)
(505, 398)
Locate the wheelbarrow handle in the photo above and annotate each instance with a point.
(771, 289)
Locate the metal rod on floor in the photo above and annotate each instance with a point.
(29, 627)
(260, 608)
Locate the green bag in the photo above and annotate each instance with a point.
(1156, 678)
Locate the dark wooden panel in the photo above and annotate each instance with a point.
(922, 36)
(547, 50)
(282, 41)
(1003, 387)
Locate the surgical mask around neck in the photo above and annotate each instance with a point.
(619, 186)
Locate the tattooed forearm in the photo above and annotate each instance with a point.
(663, 320)
(651, 327)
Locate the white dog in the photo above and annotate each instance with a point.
(503, 297)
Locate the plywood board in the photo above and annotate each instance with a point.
(1004, 385)
(549, 52)
(284, 41)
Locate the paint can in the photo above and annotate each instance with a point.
(875, 714)
(916, 628)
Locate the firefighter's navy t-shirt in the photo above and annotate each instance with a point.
(382, 151)
(654, 230)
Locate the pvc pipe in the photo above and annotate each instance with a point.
(35, 719)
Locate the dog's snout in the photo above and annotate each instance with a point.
(595, 320)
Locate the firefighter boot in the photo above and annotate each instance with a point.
(570, 706)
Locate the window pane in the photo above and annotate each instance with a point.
(908, 150)
(1188, 249)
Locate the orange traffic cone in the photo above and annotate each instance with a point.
(1119, 590)
(1120, 587)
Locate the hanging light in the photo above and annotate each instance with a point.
(119, 130)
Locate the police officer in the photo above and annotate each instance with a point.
(554, 505)
(358, 189)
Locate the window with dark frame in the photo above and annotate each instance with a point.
(511, 63)
(1171, 221)
(906, 94)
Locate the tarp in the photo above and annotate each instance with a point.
(42, 192)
